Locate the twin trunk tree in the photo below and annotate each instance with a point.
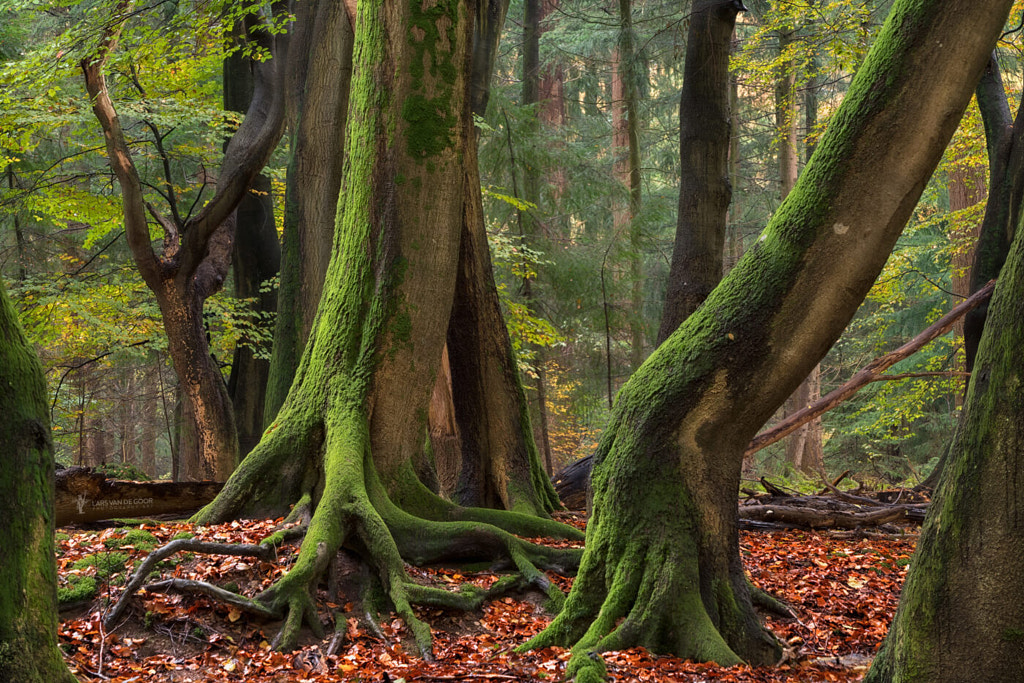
(404, 278)
(196, 254)
(661, 566)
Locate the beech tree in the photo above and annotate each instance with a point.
(661, 567)
(28, 571)
(196, 254)
(317, 99)
(962, 605)
(341, 448)
(704, 187)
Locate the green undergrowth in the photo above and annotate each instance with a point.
(106, 564)
(78, 589)
(137, 538)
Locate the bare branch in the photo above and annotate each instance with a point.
(872, 372)
(118, 154)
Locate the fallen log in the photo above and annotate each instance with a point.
(87, 496)
(815, 518)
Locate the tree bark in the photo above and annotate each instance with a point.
(962, 605)
(1004, 139)
(662, 567)
(28, 572)
(532, 228)
(704, 185)
(255, 259)
(196, 252)
(319, 77)
(342, 444)
(500, 465)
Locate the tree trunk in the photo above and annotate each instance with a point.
(343, 442)
(194, 260)
(1003, 140)
(803, 448)
(151, 409)
(704, 186)
(207, 411)
(629, 137)
(662, 568)
(319, 77)
(962, 607)
(499, 465)
(532, 228)
(28, 573)
(255, 259)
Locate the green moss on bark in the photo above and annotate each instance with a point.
(28, 575)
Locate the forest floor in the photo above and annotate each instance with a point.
(843, 591)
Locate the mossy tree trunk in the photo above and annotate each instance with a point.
(318, 84)
(342, 445)
(28, 573)
(661, 567)
(961, 612)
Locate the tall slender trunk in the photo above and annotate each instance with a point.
(319, 77)
(628, 137)
(803, 448)
(704, 151)
(532, 177)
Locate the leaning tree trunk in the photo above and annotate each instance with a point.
(28, 573)
(661, 567)
(341, 446)
(704, 187)
(1004, 142)
(961, 613)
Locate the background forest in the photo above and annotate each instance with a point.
(580, 228)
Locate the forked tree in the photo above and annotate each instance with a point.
(341, 448)
(662, 567)
(193, 262)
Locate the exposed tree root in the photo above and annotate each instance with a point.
(216, 592)
(769, 602)
(266, 552)
(347, 505)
